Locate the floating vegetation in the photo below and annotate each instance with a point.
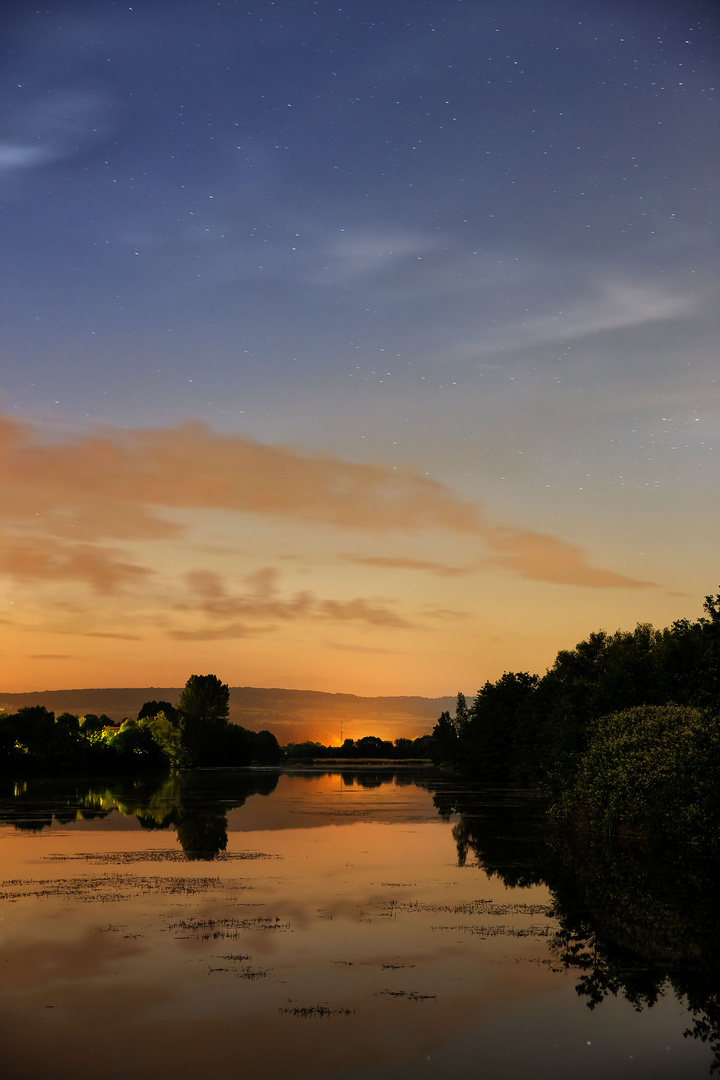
(109, 888)
(242, 973)
(122, 858)
(307, 1011)
(409, 995)
(229, 929)
(500, 930)
(390, 966)
(471, 907)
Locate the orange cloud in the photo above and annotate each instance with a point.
(105, 634)
(115, 484)
(359, 611)
(229, 632)
(190, 466)
(340, 646)
(262, 603)
(35, 558)
(447, 614)
(540, 557)
(398, 563)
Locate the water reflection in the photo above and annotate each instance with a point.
(635, 920)
(193, 805)
(628, 923)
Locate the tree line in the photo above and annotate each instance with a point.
(623, 731)
(196, 733)
(369, 746)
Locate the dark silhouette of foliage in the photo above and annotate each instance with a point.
(654, 769)
(368, 747)
(154, 708)
(204, 706)
(264, 748)
(445, 743)
(532, 730)
(205, 698)
(136, 748)
(162, 738)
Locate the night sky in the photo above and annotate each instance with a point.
(366, 348)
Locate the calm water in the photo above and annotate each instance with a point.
(255, 925)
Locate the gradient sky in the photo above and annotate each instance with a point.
(368, 347)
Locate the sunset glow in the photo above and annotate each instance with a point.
(349, 351)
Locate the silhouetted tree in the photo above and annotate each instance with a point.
(154, 708)
(462, 713)
(264, 747)
(444, 742)
(204, 706)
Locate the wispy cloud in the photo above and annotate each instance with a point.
(533, 555)
(360, 610)
(53, 127)
(340, 646)
(446, 614)
(613, 305)
(33, 558)
(540, 557)
(261, 603)
(16, 156)
(355, 256)
(388, 562)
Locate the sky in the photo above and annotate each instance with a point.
(368, 347)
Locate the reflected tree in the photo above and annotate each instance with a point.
(636, 920)
(195, 809)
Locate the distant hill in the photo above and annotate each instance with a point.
(292, 715)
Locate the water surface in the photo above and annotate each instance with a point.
(356, 926)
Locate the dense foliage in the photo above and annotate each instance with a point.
(622, 731)
(653, 765)
(195, 733)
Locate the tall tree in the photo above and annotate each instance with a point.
(205, 698)
(462, 713)
(204, 705)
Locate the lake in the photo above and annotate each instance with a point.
(355, 925)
